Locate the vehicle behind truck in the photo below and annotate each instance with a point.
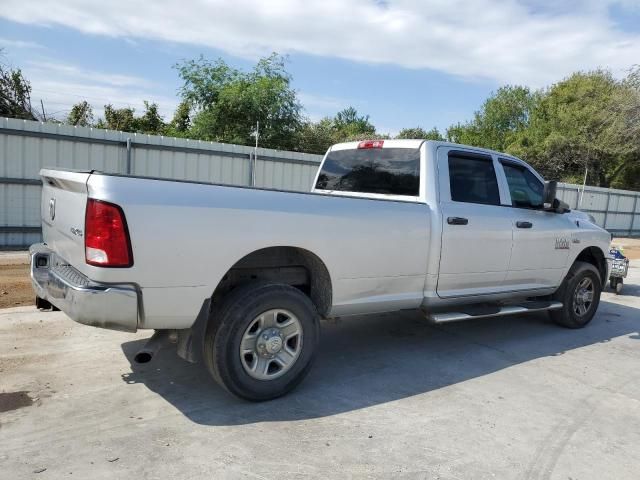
(238, 278)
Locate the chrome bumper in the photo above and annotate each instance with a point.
(97, 304)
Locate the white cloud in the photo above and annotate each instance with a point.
(319, 106)
(525, 41)
(11, 43)
(61, 85)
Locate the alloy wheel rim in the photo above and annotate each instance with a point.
(271, 344)
(583, 297)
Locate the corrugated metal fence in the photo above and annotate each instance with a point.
(26, 147)
(616, 210)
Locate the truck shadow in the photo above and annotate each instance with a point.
(366, 361)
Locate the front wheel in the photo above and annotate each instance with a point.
(261, 341)
(619, 285)
(580, 296)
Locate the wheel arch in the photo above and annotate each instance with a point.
(294, 266)
(595, 256)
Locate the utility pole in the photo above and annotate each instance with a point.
(254, 160)
(257, 135)
(44, 115)
(584, 183)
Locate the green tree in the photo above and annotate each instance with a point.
(420, 133)
(150, 122)
(582, 122)
(625, 130)
(228, 102)
(350, 125)
(124, 119)
(499, 121)
(15, 94)
(81, 115)
(316, 137)
(181, 121)
(121, 119)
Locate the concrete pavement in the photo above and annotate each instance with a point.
(389, 397)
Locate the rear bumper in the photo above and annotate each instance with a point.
(97, 304)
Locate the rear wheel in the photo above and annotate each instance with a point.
(580, 295)
(261, 342)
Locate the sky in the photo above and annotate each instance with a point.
(406, 63)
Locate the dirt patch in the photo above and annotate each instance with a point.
(631, 247)
(14, 400)
(15, 286)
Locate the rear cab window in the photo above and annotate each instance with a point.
(377, 172)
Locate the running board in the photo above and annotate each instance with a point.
(482, 311)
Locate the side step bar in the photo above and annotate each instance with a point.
(483, 311)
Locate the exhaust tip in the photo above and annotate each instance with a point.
(143, 357)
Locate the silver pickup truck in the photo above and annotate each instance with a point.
(239, 278)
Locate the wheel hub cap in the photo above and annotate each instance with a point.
(271, 344)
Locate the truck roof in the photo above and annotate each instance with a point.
(415, 143)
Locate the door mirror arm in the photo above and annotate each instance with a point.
(557, 206)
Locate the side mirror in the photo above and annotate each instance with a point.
(549, 194)
(551, 202)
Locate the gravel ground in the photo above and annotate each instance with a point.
(390, 397)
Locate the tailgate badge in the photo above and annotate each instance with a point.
(52, 208)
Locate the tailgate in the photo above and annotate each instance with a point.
(62, 209)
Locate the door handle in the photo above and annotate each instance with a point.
(457, 221)
(524, 224)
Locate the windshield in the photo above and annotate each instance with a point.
(394, 171)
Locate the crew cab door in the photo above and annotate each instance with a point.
(476, 230)
(541, 239)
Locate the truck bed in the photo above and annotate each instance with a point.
(185, 236)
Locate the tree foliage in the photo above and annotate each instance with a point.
(229, 103)
(124, 119)
(351, 125)
(81, 115)
(15, 94)
(346, 125)
(583, 122)
(420, 133)
(500, 118)
(181, 122)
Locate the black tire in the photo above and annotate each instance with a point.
(228, 324)
(567, 316)
(619, 285)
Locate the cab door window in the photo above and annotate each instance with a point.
(525, 188)
(473, 179)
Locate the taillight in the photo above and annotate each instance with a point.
(106, 237)
(371, 144)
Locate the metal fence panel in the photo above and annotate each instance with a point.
(26, 147)
(612, 208)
